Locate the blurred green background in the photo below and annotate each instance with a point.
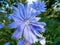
(51, 16)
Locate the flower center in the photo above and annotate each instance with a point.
(26, 22)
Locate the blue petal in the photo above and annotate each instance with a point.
(29, 36)
(21, 10)
(35, 32)
(14, 17)
(8, 43)
(28, 11)
(39, 26)
(16, 12)
(13, 25)
(1, 25)
(16, 35)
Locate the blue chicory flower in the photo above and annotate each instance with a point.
(1, 25)
(26, 24)
(37, 5)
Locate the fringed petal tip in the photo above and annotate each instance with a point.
(12, 25)
(14, 8)
(42, 41)
(38, 18)
(10, 17)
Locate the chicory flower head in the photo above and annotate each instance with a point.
(26, 24)
(37, 5)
